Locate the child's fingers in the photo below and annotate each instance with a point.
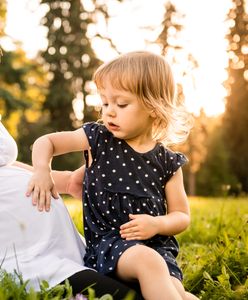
(29, 189)
(55, 194)
(48, 201)
(128, 225)
(35, 196)
(42, 200)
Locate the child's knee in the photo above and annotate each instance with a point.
(144, 257)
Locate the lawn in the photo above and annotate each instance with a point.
(213, 254)
(213, 250)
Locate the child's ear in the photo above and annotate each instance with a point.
(153, 114)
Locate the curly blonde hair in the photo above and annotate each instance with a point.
(149, 77)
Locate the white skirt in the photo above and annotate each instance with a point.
(39, 245)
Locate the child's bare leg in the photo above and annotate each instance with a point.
(185, 295)
(148, 267)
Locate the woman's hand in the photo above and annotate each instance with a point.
(42, 188)
(141, 227)
(75, 183)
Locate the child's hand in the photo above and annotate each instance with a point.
(141, 227)
(42, 187)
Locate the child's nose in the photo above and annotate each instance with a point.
(111, 111)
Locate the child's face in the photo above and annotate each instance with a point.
(124, 114)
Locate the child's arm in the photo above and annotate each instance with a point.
(66, 182)
(177, 219)
(44, 148)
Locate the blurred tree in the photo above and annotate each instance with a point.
(12, 83)
(177, 55)
(70, 61)
(195, 149)
(236, 115)
(215, 178)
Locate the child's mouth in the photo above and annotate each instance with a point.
(112, 126)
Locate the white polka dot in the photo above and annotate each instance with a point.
(107, 162)
(148, 161)
(145, 189)
(139, 167)
(137, 181)
(155, 170)
(109, 184)
(125, 150)
(132, 158)
(146, 175)
(117, 156)
(127, 188)
(111, 148)
(113, 170)
(120, 179)
(103, 175)
(130, 174)
(124, 164)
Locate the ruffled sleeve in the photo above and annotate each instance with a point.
(95, 134)
(175, 160)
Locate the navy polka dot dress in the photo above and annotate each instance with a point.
(121, 181)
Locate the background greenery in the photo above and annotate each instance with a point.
(36, 95)
(213, 254)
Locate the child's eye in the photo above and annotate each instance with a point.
(104, 104)
(122, 105)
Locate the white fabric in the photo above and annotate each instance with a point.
(41, 245)
(8, 147)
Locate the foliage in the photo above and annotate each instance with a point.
(214, 253)
(215, 177)
(12, 81)
(12, 286)
(69, 59)
(236, 117)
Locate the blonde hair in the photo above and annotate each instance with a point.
(149, 77)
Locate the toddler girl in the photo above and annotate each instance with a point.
(134, 198)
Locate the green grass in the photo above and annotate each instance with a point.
(214, 250)
(213, 254)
